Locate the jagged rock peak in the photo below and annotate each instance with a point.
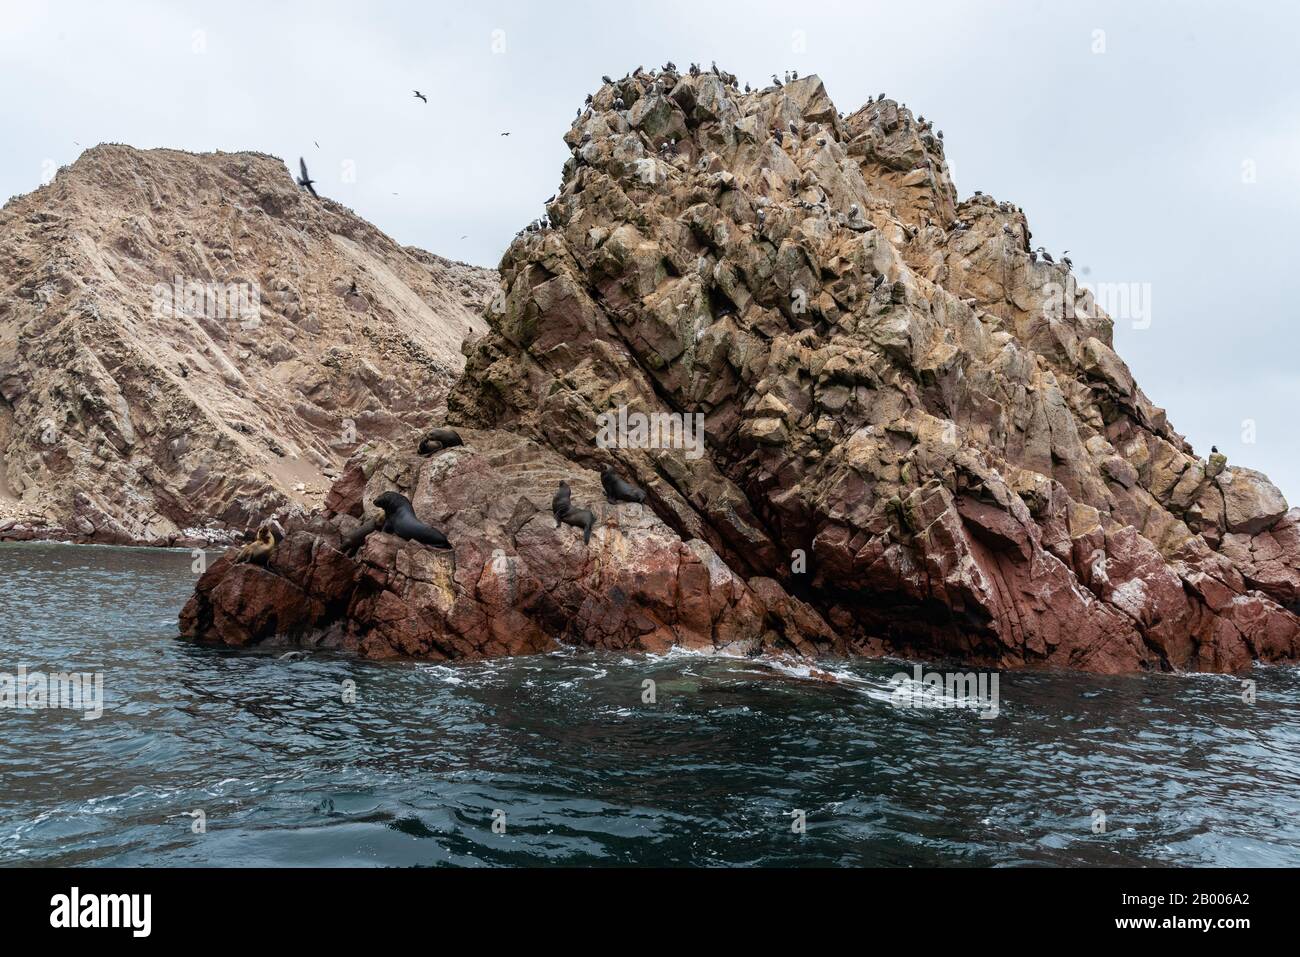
(893, 387)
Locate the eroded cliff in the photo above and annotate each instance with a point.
(917, 436)
(189, 343)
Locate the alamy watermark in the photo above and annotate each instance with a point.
(211, 300)
(1121, 301)
(58, 690)
(977, 691)
(620, 429)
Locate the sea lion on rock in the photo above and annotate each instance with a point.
(564, 511)
(439, 439)
(356, 538)
(400, 520)
(617, 489)
(259, 549)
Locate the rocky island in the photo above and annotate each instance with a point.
(917, 437)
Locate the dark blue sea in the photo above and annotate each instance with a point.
(214, 757)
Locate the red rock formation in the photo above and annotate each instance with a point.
(891, 383)
(514, 583)
(911, 423)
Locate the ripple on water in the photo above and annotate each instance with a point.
(564, 750)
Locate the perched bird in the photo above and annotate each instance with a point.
(1065, 258)
(421, 96)
(304, 180)
(1047, 257)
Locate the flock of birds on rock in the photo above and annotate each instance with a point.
(663, 80)
(670, 147)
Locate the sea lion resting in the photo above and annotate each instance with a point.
(439, 439)
(564, 511)
(354, 539)
(400, 520)
(619, 490)
(260, 548)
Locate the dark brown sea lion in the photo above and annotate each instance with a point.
(400, 520)
(617, 489)
(354, 539)
(439, 439)
(563, 510)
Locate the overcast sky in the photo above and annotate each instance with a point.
(1163, 151)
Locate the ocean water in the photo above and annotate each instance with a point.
(560, 760)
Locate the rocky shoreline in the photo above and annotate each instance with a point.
(514, 583)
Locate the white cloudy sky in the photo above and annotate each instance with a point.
(1132, 158)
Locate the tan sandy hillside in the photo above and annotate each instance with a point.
(130, 415)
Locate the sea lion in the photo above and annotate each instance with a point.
(563, 510)
(400, 520)
(439, 439)
(259, 549)
(619, 490)
(357, 537)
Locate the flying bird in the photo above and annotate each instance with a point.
(305, 181)
(421, 96)
(505, 134)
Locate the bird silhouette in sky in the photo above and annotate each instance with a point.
(421, 96)
(305, 181)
